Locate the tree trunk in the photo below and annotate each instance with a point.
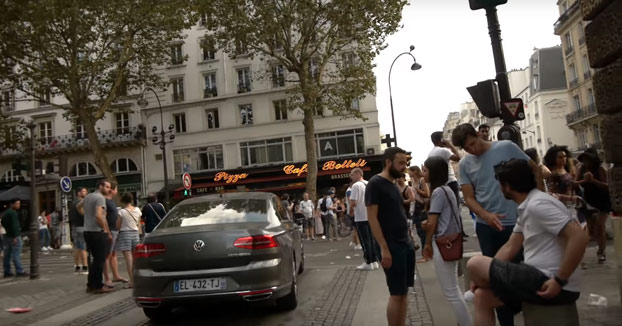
(311, 154)
(98, 153)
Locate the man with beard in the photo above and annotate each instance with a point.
(387, 220)
(554, 244)
(96, 234)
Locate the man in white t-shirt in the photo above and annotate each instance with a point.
(446, 150)
(306, 206)
(553, 242)
(359, 210)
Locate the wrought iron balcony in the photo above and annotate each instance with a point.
(209, 92)
(244, 87)
(76, 142)
(582, 114)
(565, 17)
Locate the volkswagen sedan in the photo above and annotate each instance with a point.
(233, 247)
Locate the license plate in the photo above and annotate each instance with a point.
(200, 284)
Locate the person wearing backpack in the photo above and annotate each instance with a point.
(152, 213)
(371, 251)
(326, 212)
(444, 222)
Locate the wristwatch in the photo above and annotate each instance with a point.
(561, 282)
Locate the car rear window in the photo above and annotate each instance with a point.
(219, 212)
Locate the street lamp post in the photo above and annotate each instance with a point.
(415, 66)
(160, 138)
(34, 223)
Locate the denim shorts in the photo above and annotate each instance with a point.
(401, 275)
(78, 238)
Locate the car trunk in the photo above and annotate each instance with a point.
(218, 250)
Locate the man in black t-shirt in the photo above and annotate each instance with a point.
(387, 219)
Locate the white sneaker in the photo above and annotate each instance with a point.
(365, 267)
(44, 249)
(50, 248)
(323, 237)
(469, 296)
(376, 265)
(358, 247)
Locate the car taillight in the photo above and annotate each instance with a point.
(149, 250)
(256, 242)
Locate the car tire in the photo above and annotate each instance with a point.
(290, 301)
(158, 314)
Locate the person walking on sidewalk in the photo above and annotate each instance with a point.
(496, 215)
(96, 235)
(307, 207)
(76, 223)
(128, 225)
(44, 232)
(358, 209)
(153, 212)
(112, 217)
(12, 244)
(444, 219)
(387, 220)
(553, 244)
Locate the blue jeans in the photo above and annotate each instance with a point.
(44, 237)
(371, 250)
(12, 251)
(490, 241)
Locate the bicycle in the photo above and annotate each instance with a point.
(345, 225)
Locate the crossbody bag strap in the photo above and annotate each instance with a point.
(156, 213)
(452, 209)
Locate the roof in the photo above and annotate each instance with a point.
(19, 192)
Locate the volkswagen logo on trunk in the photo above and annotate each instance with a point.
(198, 245)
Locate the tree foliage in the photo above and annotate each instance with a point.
(90, 52)
(326, 46)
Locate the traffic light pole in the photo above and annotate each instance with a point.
(494, 29)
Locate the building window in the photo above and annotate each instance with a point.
(590, 96)
(7, 100)
(577, 102)
(535, 81)
(586, 67)
(278, 76)
(314, 69)
(82, 169)
(573, 72)
(348, 59)
(277, 150)
(11, 176)
(180, 122)
(212, 118)
(340, 143)
(123, 122)
(78, 129)
(210, 89)
(568, 39)
(355, 104)
(177, 57)
(596, 133)
(246, 114)
(45, 132)
(198, 159)
(244, 80)
(203, 20)
(45, 97)
(123, 165)
(209, 53)
(241, 48)
(280, 110)
(581, 33)
(178, 89)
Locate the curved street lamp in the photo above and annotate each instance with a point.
(160, 138)
(415, 66)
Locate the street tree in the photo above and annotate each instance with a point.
(326, 47)
(93, 53)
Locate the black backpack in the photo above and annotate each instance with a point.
(323, 207)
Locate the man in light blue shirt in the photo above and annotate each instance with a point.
(496, 215)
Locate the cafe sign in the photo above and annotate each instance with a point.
(327, 166)
(229, 178)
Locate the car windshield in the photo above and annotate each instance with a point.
(220, 212)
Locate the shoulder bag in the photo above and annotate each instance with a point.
(450, 245)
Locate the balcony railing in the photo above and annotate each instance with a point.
(244, 87)
(565, 16)
(582, 114)
(210, 92)
(130, 136)
(568, 50)
(573, 83)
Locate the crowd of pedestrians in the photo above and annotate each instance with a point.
(532, 220)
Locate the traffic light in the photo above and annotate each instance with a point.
(510, 132)
(486, 96)
(481, 4)
(187, 193)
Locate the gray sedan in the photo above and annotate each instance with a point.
(219, 248)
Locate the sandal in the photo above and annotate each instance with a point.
(128, 286)
(120, 280)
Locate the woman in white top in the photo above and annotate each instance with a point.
(128, 225)
(44, 233)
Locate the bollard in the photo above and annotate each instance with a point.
(563, 315)
(462, 266)
(616, 221)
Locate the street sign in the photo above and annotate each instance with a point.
(512, 109)
(65, 184)
(187, 181)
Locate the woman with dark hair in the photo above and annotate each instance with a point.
(422, 193)
(593, 179)
(560, 183)
(129, 232)
(443, 219)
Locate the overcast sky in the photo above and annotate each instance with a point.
(453, 46)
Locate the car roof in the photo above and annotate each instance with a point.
(229, 196)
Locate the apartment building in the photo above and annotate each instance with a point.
(583, 118)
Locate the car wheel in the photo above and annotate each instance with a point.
(158, 314)
(290, 301)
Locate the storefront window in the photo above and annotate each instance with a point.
(275, 150)
(198, 159)
(340, 143)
